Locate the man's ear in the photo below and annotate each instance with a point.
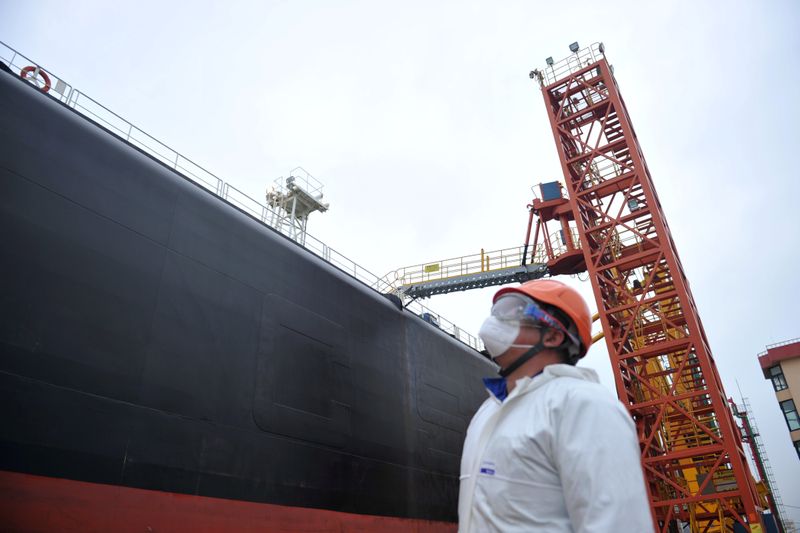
(553, 338)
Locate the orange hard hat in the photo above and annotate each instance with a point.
(562, 297)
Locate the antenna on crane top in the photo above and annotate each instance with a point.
(292, 200)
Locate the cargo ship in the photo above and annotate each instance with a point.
(169, 361)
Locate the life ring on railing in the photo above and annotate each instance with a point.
(29, 73)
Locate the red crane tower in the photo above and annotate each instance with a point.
(692, 453)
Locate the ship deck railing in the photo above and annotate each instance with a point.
(62, 91)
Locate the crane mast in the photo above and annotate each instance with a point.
(692, 452)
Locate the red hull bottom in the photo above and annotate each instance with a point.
(42, 504)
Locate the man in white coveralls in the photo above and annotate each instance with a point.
(550, 450)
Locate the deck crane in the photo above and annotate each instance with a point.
(611, 226)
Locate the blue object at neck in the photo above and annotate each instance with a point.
(499, 386)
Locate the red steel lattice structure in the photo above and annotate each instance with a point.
(692, 452)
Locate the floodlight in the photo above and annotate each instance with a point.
(602, 48)
(549, 61)
(574, 47)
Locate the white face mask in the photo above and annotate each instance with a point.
(498, 336)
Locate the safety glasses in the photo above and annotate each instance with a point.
(520, 309)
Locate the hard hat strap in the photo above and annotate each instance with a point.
(524, 358)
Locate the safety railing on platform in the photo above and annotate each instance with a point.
(558, 242)
(60, 90)
(467, 265)
(572, 63)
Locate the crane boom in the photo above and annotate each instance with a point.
(692, 453)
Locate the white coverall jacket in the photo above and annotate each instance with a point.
(560, 454)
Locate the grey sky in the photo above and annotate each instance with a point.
(421, 120)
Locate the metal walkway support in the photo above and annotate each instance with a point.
(475, 271)
(480, 280)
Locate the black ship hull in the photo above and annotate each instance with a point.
(155, 340)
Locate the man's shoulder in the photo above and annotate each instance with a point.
(588, 392)
(579, 381)
(579, 391)
(576, 403)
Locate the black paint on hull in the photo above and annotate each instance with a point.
(153, 336)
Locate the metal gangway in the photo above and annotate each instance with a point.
(485, 269)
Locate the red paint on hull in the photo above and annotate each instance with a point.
(42, 504)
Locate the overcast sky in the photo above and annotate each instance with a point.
(421, 121)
